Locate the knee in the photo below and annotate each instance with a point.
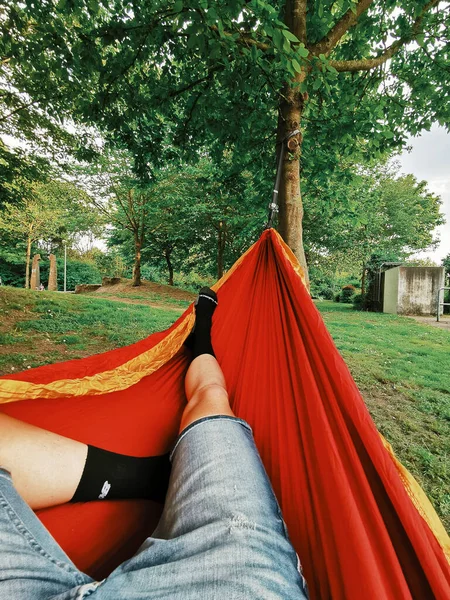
(208, 400)
(209, 393)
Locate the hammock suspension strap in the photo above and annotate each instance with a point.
(273, 206)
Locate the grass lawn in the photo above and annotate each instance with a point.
(37, 328)
(401, 367)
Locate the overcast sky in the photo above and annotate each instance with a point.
(429, 159)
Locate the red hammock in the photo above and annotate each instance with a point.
(360, 523)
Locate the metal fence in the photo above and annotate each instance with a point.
(439, 303)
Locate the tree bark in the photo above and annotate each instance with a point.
(27, 267)
(289, 119)
(137, 262)
(167, 254)
(221, 240)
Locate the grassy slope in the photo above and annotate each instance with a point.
(401, 367)
(37, 328)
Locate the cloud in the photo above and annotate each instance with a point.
(429, 160)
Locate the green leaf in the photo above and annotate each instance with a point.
(278, 39)
(94, 6)
(215, 50)
(192, 41)
(290, 36)
(296, 65)
(302, 51)
(178, 6)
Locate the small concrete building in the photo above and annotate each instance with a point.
(412, 290)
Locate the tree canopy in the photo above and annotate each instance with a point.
(175, 81)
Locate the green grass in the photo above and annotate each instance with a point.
(45, 328)
(122, 324)
(402, 370)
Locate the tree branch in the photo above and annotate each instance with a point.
(327, 43)
(244, 39)
(15, 111)
(365, 64)
(196, 82)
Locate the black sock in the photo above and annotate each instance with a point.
(116, 476)
(199, 341)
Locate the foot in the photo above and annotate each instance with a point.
(199, 341)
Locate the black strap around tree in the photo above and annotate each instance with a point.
(273, 206)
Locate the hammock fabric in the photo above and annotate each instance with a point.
(359, 522)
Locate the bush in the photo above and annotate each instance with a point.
(188, 281)
(322, 290)
(359, 302)
(337, 297)
(77, 272)
(322, 285)
(12, 270)
(192, 281)
(347, 294)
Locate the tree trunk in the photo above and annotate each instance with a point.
(221, 240)
(27, 267)
(363, 279)
(167, 254)
(290, 114)
(137, 262)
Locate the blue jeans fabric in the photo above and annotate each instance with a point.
(221, 534)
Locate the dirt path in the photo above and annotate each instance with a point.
(166, 292)
(444, 323)
(159, 305)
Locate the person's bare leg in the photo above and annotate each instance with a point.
(45, 467)
(205, 390)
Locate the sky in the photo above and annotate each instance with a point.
(429, 160)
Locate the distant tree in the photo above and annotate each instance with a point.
(47, 211)
(31, 220)
(190, 214)
(383, 212)
(446, 263)
(122, 199)
(18, 170)
(421, 262)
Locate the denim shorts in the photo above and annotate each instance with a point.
(221, 534)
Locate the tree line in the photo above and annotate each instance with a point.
(167, 119)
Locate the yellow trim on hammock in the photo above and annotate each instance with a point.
(420, 501)
(232, 270)
(290, 256)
